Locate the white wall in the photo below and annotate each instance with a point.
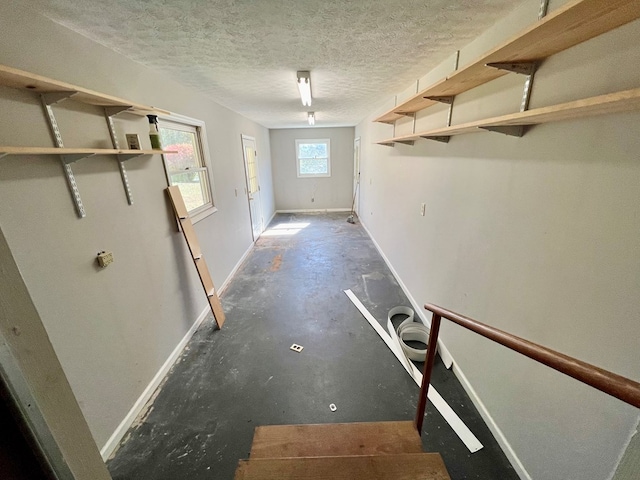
(537, 236)
(112, 329)
(293, 193)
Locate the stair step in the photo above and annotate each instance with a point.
(325, 440)
(406, 466)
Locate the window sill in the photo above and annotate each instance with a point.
(202, 214)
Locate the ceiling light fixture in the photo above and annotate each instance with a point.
(304, 85)
(312, 118)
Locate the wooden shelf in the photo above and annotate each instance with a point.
(623, 101)
(569, 25)
(14, 78)
(76, 151)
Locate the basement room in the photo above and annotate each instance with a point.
(284, 239)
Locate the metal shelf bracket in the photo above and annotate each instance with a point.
(523, 68)
(52, 98)
(439, 138)
(511, 130)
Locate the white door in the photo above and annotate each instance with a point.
(356, 173)
(253, 187)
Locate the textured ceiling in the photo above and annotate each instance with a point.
(244, 54)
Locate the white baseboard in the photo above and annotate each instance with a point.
(271, 218)
(225, 284)
(495, 430)
(446, 357)
(111, 445)
(318, 210)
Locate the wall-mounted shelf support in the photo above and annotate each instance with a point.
(387, 144)
(110, 112)
(406, 142)
(448, 99)
(69, 159)
(52, 98)
(523, 68)
(439, 138)
(511, 130)
(528, 84)
(73, 187)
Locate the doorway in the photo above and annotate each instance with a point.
(253, 186)
(356, 175)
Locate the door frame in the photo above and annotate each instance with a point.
(357, 153)
(247, 188)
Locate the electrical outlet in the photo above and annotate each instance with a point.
(423, 208)
(105, 259)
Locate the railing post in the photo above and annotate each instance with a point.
(428, 367)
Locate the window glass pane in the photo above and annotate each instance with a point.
(182, 142)
(314, 166)
(312, 150)
(194, 188)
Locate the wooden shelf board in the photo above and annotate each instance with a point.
(624, 101)
(569, 25)
(14, 78)
(76, 151)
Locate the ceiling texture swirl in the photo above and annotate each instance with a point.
(244, 54)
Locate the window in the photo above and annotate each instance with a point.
(188, 168)
(313, 158)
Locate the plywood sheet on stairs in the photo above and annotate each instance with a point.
(377, 438)
(407, 466)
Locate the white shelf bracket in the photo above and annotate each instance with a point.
(109, 112)
(112, 111)
(52, 98)
(74, 157)
(73, 187)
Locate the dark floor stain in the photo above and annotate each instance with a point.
(229, 381)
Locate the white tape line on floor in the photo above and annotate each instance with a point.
(458, 426)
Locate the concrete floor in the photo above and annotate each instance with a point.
(227, 382)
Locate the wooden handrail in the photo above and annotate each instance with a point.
(615, 385)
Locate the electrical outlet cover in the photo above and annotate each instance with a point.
(105, 259)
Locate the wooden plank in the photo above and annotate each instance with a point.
(205, 276)
(335, 439)
(72, 151)
(14, 78)
(408, 466)
(618, 102)
(216, 308)
(190, 236)
(180, 210)
(569, 25)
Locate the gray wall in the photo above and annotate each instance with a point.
(293, 193)
(535, 235)
(112, 329)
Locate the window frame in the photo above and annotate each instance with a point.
(198, 127)
(300, 141)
